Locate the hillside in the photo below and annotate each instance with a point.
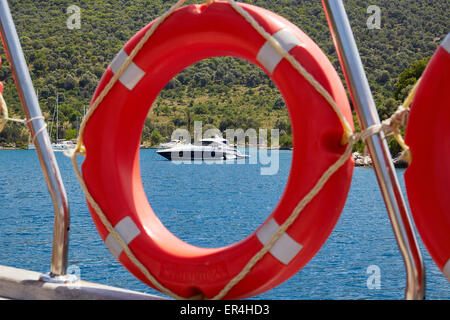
(222, 92)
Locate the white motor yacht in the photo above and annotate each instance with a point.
(208, 149)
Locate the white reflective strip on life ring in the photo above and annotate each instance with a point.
(269, 57)
(447, 269)
(132, 75)
(285, 249)
(127, 230)
(446, 43)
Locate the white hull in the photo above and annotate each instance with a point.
(210, 149)
(63, 146)
(191, 155)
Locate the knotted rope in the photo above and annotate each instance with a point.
(4, 118)
(3, 112)
(393, 124)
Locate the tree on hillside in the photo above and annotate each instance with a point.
(408, 78)
(226, 91)
(155, 138)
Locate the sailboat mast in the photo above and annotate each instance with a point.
(57, 102)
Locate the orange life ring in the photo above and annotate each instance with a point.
(428, 176)
(112, 137)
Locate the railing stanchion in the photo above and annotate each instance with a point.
(381, 158)
(44, 150)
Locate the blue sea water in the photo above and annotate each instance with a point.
(208, 205)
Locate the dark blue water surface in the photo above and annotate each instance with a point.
(208, 205)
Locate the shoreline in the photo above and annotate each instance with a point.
(361, 161)
(12, 148)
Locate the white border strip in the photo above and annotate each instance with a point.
(132, 75)
(269, 57)
(127, 230)
(285, 249)
(446, 43)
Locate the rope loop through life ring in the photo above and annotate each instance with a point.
(321, 170)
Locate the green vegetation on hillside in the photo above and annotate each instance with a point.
(221, 92)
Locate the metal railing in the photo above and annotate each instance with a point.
(42, 142)
(381, 158)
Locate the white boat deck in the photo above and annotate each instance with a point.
(19, 284)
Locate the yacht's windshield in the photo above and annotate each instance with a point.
(210, 142)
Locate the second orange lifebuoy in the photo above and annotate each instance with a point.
(428, 177)
(112, 138)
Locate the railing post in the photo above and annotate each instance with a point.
(382, 160)
(44, 150)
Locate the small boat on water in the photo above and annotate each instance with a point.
(60, 146)
(216, 148)
(63, 145)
